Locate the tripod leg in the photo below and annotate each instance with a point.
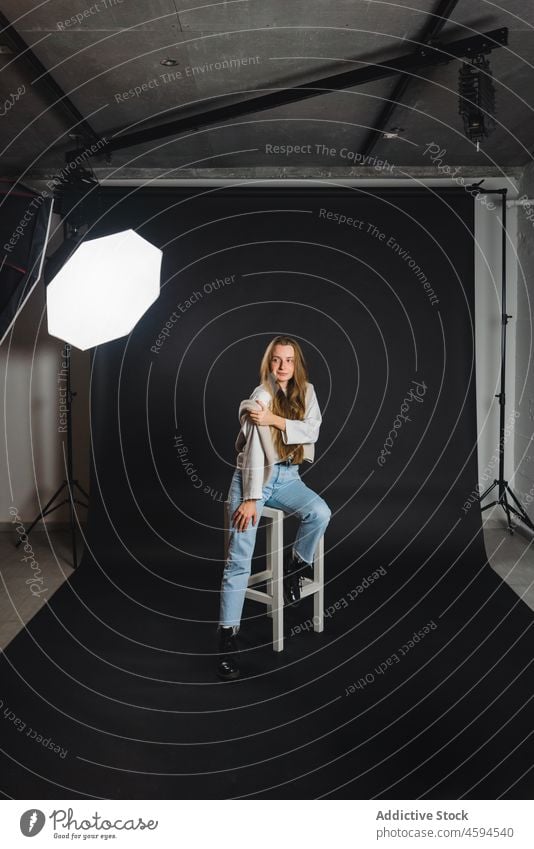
(44, 511)
(522, 514)
(483, 495)
(82, 490)
(504, 502)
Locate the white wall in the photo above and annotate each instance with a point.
(523, 482)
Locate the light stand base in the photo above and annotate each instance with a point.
(69, 485)
(505, 504)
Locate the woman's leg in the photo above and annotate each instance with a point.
(238, 562)
(293, 496)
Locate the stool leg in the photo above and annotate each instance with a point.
(270, 565)
(276, 546)
(318, 596)
(226, 518)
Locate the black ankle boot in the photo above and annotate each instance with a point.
(227, 666)
(291, 580)
(305, 570)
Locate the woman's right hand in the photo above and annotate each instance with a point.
(243, 514)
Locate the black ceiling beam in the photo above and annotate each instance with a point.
(428, 34)
(47, 84)
(425, 56)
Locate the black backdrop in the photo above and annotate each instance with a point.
(143, 714)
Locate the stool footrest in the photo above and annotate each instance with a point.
(258, 595)
(309, 588)
(258, 577)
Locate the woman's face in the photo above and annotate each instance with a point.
(283, 363)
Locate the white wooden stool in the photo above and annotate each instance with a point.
(273, 575)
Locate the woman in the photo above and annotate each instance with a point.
(279, 425)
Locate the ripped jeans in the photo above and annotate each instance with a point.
(284, 491)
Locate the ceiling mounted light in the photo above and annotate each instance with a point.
(476, 102)
(393, 133)
(169, 63)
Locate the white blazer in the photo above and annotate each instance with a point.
(257, 453)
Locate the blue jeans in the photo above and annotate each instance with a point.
(284, 491)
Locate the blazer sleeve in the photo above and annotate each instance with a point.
(245, 405)
(253, 463)
(254, 458)
(307, 429)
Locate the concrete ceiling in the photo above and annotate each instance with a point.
(244, 48)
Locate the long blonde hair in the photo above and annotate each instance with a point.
(290, 404)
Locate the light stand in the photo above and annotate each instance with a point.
(503, 486)
(70, 484)
(120, 273)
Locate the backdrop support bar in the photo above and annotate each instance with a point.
(501, 483)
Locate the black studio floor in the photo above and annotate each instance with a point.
(107, 694)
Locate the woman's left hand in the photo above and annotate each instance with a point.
(263, 416)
